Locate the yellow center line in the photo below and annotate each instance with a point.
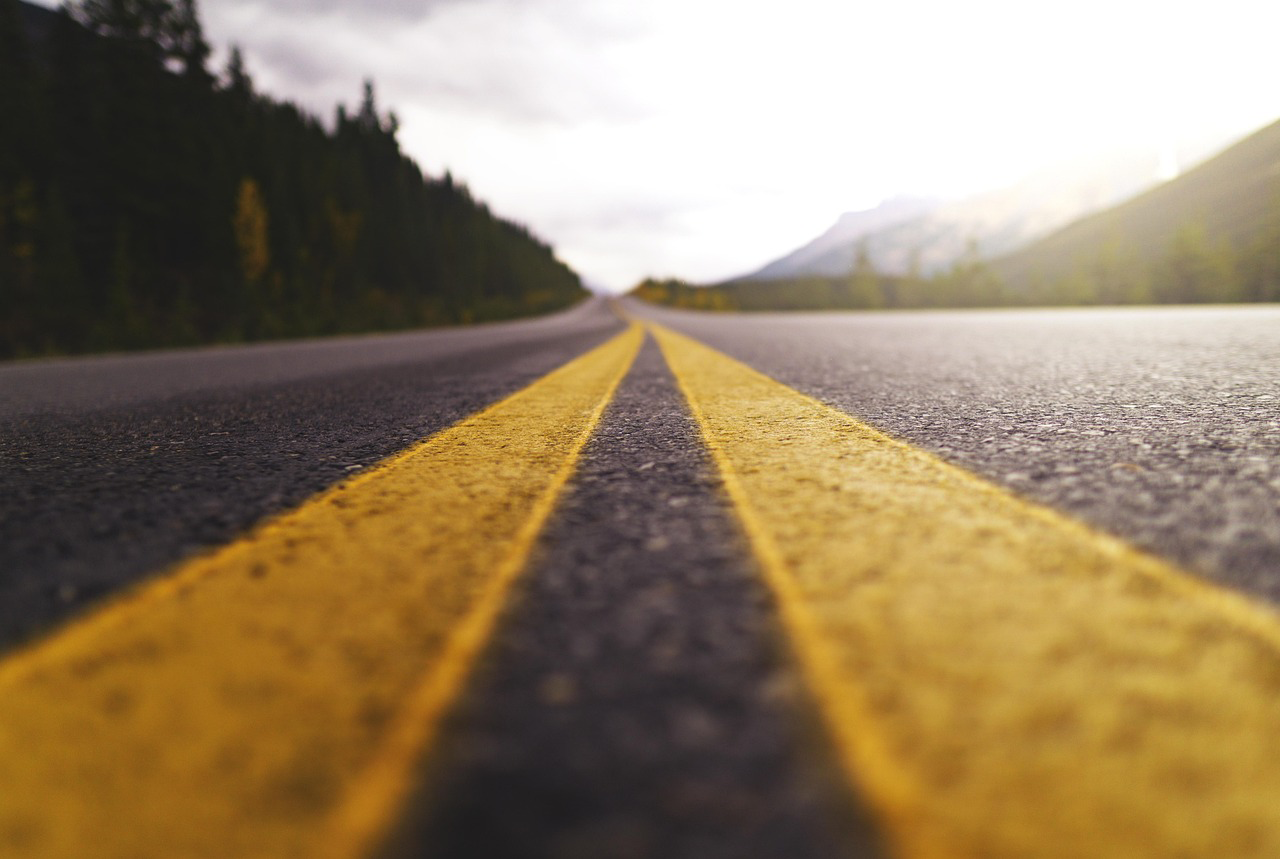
(274, 698)
(999, 681)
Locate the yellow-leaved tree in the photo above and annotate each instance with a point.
(250, 225)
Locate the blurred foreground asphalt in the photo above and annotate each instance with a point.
(637, 699)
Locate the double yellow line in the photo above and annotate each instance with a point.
(271, 699)
(996, 679)
(1001, 681)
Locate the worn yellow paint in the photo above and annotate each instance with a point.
(999, 681)
(274, 698)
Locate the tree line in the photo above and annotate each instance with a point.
(1194, 269)
(970, 282)
(146, 200)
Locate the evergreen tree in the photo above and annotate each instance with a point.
(1260, 266)
(188, 43)
(235, 78)
(1195, 271)
(367, 118)
(864, 290)
(18, 97)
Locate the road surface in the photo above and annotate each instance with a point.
(1161, 425)
(119, 466)
(658, 603)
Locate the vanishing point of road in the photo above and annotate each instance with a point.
(630, 582)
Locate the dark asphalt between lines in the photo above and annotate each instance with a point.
(637, 699)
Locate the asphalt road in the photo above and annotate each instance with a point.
(116, 467)
(1159, 425)
(636, 698)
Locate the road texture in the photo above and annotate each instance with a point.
(641, 691)
(116, 467)
(1160, 425)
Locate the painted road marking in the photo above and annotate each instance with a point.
(272, 699)
(999, 681)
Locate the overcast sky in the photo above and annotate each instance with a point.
(702, 138)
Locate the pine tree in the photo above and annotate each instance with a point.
(17, 96)
(235, 78)
(189, 45)
(367, 118)
(864, 288)
(1195, 270)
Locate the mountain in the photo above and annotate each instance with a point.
(930, 236)
(1225, 205)
(832, 252)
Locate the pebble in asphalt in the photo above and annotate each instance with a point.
(636, 701)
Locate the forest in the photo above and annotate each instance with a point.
(147, 201)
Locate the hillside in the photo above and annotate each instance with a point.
(1223, 214)
(146, 201)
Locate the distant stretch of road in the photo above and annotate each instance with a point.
(628, 581)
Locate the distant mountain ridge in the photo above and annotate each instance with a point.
(832, 252)
(929, 235)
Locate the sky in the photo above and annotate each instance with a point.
(703, 138)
